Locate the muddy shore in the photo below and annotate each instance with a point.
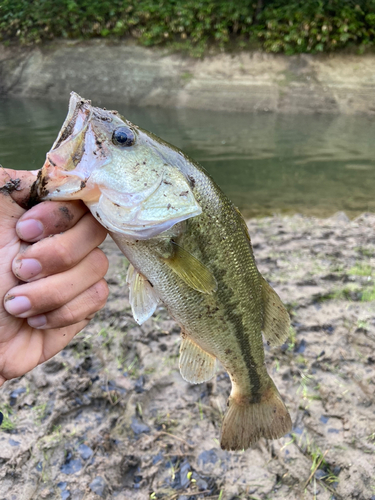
(111, 417)
(242, 81)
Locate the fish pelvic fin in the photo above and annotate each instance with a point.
(246, 422)
(276, 321)
(196, 365)
(142, 297)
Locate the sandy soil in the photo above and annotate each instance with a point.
(110, 416)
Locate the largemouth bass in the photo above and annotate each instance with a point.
(188, 247)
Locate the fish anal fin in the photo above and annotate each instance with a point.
(143, 299)
(276, 321)
(191, 270)
(246, 422)
(196, 365)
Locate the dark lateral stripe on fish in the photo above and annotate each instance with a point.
(225, 295)
(243, 339)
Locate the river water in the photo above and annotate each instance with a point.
(266, 163)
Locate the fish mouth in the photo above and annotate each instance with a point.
(69, 162)
(76, 104)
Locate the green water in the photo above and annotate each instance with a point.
(266, 163)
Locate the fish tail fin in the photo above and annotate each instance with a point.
(245, 422)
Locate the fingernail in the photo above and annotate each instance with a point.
(16, 305)
(37, 321)
(27, 268)
(29, 229)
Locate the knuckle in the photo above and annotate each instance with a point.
(58, 297)
(62, 316)
(63, 255)
(68, 315)
(100, 293)
(99, 261)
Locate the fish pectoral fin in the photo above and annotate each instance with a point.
(276, 322)
(142, 297)
(196, 365)
(191, 270)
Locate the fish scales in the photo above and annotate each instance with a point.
(188, 248)
(225, 323)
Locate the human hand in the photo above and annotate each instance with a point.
(50, 287)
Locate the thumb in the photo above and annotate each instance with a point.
(15, 186)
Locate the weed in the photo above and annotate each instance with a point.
(41, 412)
(292, 339)
(361, 269)
(200, 409)
(361, 323)
(7, 424)
(133, 368)
(365, 251)
(368, 295)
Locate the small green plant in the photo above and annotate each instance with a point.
(292, 339)
(7, 423)
(40, 412)
(368, 294)
(361, 269)
(361, 323)
(366, 251)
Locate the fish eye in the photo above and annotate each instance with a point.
(123, 136)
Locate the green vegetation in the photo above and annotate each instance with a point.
(8, 423)
(289, 26)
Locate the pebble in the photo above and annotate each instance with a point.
(98, 486)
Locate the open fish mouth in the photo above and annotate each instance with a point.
(79, 114)
(73, 156)
(126, 176)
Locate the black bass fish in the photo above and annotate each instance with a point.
(188, 247)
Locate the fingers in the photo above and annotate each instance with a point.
(60, 253)
(10, 210)
(56, 339)
(53, 292)
(49, 217)
(17, 184)
(80, 308)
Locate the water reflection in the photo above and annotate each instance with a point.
(266, 163)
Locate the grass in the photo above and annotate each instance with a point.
(8, 424)
(366, 251)
(361, 269)
(351, 292)
(292, 339)
(307, 383)
(368, 295)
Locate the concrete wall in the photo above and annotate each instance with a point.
(243, 82)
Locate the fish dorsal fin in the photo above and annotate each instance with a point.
(142, 297)
(196, 365)
(191, 270)
(276, 320)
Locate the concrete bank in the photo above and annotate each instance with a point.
(243, 82)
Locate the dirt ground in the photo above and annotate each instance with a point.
(111, 417)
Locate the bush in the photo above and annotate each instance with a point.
(316, 25)
(275, 25)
